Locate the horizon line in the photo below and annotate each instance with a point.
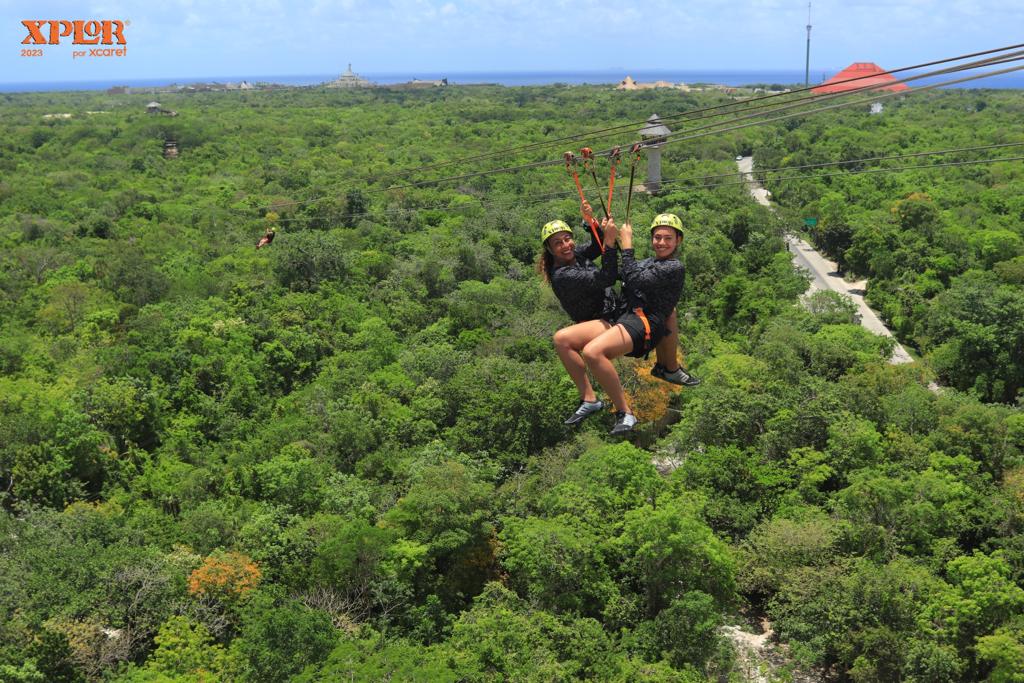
(625, 72)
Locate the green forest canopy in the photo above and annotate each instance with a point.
(342, 456)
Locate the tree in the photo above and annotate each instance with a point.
(684, 633)
(227, 576)
(1004, 649)
(833, 233)
(367, 567)
(983, 596)
(557, 564)
(280, 637)
(669, 551)
(832, 308)
(446, 512)
(500, 638)
(306, 260)
(777, 547)
(374, 658)
(185, 650)
(602, 484)
(918, 213)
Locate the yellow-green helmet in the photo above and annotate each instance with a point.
(669, 220)
(552, 227)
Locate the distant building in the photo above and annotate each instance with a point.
(867, 74)
(629, 84)
(417, 83)
(155, 108)
(349, 79)
(170, 149)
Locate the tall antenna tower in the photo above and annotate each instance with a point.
(807, 62)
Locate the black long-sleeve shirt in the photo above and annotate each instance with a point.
(583, 289)
(652, 285)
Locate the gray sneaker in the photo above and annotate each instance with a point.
(677, 376)
(624, 423)
(586, 409)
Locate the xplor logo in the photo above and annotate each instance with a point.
(81, 32)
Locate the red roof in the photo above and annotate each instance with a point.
(870, 74)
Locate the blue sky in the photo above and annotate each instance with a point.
(178, 39)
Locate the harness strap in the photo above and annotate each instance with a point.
(588, 164)
(570, 165)
(639, 312)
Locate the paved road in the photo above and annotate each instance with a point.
(824, 272)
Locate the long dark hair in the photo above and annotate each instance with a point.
(545, 262)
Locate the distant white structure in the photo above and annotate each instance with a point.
(155, 108)
(437, 83)
(349, 79)
(876, 107)
(628, 83)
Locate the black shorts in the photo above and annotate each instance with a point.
(635, 329)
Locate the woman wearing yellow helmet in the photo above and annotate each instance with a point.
(651, 288)
(585, 292)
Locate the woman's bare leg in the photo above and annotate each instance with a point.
(569, 341)
(668, 347)
(598, 355)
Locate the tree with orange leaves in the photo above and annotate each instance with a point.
(224, 575)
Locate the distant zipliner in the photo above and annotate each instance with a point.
(267, 238)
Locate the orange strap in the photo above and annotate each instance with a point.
(639, 312)
(588, 165)
(570, 165)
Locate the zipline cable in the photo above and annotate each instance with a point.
(680, 137)
(672, 117)
(713, 128)
(690, 135)
(861, 171)
(818, 99)
(534, 199)
(811, 176)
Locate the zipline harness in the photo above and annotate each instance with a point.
(588, 165)
(570, 165)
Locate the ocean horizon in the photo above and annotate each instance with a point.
(505, 78)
